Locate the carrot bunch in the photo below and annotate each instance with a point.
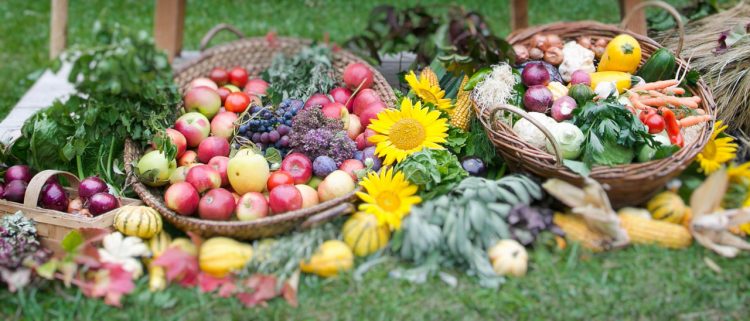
(657, 95)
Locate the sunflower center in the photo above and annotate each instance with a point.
(709, 152)
(427, 95)
(388, 201)
(407, 133)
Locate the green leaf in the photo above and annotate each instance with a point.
(72, 241)
(577, 167)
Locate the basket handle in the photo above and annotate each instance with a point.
(520, 112)
(660, 4)
(215, 30)
(37, 182)
(327, 215)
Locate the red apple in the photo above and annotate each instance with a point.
(299, 166)
(336, 110)
(363, 139)
(220, 163)
(237, 102)
(358, 75)
(194, 126)
(355, 126)
(219, 75)
(178, 140)
(182, 198)
(211, 147)
(223, 124)
(350, 166)
(371, 112)
(232, 88)
(252, 206)
(202, 82)
(284, 198)
(238, 77)
(203, 100)
(178, 174)
(342, 96)
(364, 98)
(218, 205)
(309, 195)
(256, 86)
(223, 93)
(336, 184)
(279, 178)
(317, 100)
(188, 158)
(203, 178)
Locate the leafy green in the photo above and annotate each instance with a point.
(435, 171)
(479, 145)
(299, 76)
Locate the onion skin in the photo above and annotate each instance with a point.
(563, 108)
(553, 56)
(75, 206)
(15, 191)
(537, 99)
(534, 73)
(90, 186)
(18, 172)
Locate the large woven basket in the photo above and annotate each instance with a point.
(626, 185)
(254, 54)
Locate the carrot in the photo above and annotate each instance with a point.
(694, 120)
(700, 111)
(675, 91)
(635, 99)
(657, 85)
(670, 100)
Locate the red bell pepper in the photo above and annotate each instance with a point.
(673, 127)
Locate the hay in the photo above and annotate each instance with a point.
(727, 73)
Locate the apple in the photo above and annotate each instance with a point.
(309, 195)
(178, 175)
(363, 139)
(299, 166)
(358, 75)
(202, 82)
(342, 96)
(364, 98)
(182, 198)
(350, 166)
(371, 112)
(203, 100)
(252, 206)
(317, 100)
(284, 198)
(237, 102)
(314, 182)
(188, 158)
(279, 178)
(334, 110)
(248, 172)
(211, 147)
(232, 88)
(178, 140)
(194, 126)
(223, 93)
(218, 205)
(219, 75)
(220, 164)
(238, 77)
(203, 178)
(256, 86)
(335, 185)
(355, 127)
(223, 124)
(153, 169)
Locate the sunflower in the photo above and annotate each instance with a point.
(428, 89)
(739, 173)
(400, 133)
(718, 150)
(389, 196)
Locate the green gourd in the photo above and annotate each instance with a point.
(660, 66)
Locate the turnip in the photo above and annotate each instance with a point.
(537, 99)
(364, 98)
(562, 108)
(317, 100)
(535, 74)
(580, 77)
(356, 75)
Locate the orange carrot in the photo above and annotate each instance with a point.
(635, 99)
(694, 120)
(657, 85)
(675, 91)
(700, 111)
(670, 100)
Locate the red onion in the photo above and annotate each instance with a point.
(90, 186)
(537, 98)
(15, 191)
(54, 197)
(535, 74)
(563, 108)
(101, 203)
(18, 172)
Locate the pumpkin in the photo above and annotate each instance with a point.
(140, 221)
(623, 53)
(667, 206)
(329, 259)
(363, 235)
(509, 257)
(221, 255)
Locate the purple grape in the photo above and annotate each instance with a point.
(256, 137)
(284, 141)
(283, 130)
(273, 136)
(264, 138)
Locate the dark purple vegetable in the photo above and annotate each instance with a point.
(90, 186)
(101, 203)
(474, 166)
(538, 99)
(535, 74)
(18, 172)
(563, 108)
(554, 74)
(15, 191)
(369, 152)
(54, 197)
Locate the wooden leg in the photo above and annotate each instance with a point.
(58, 32)
(638, 23)
(169, 20)
(519, 14)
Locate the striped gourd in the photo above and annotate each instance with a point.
(429, 74)
(647, 231)
(463, 112)
(140, 221)
(363, 235)
(667, 206)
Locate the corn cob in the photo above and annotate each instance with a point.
(575, 229)
(431, 77)
(646, 231)
(462, 113)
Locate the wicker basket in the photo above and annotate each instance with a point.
(627, 185)
(256, 55)
(52, 226)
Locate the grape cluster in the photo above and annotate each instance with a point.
(270, 127)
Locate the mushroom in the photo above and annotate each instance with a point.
(554, 41)
(538, 41)
(584, 42)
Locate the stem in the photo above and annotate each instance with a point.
(109, 157)
(79, 164)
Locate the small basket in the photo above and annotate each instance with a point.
(256, 55)
(52, 226)
(626, 185)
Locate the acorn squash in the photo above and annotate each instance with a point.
(140, 221)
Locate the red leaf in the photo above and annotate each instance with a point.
(227, 289)
(289, 290)
(110, 282)
(196, 239)
(179, 266)
(264, 289)
(208, 283)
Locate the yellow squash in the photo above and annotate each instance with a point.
(221, 255)
(156, 274)
(363, 235)
(140, 221)
(622, 80)
(623, 53)
(329, 259)
(668, 206)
